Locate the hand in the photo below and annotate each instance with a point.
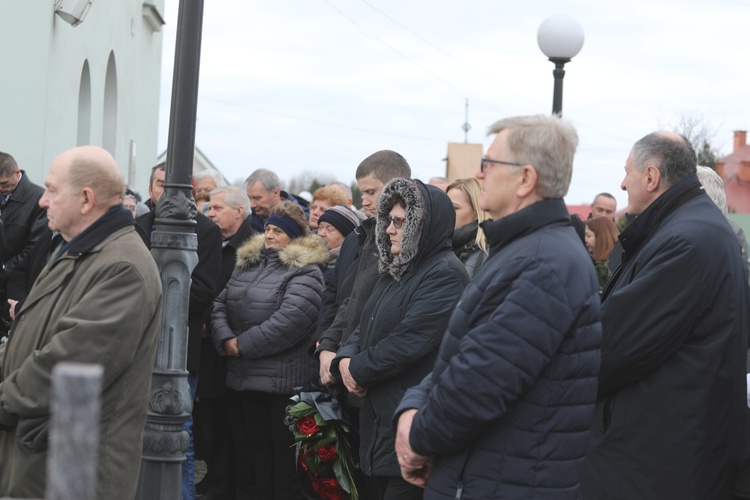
(349, 382)
(204, 332)
(230, 347)
(325, 358)
(415, 468)
(12, 308)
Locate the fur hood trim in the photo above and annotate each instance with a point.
(300, 252)
(407, 190)
(430, 218)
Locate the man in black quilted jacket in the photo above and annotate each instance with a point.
(507, 409)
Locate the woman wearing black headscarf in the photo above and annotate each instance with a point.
(402, 324)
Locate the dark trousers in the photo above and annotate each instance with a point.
(392, 488)
(265, 455)
(217, 447)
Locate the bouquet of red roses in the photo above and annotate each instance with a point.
(323, 451)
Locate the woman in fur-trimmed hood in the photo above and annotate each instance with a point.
(263, 321)
(402, 324)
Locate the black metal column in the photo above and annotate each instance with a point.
(559, 74)
(173, 245)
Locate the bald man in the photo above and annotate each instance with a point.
(97, 300)
(670, 415)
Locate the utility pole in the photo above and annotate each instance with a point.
(466, 127)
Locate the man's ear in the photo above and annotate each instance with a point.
(88, 200)
(529, 180)
(653, 179)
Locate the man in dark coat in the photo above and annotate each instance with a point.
(507, 409)
(23, 219)
(25, 273)
(264, 190)
(203, 289)
(230, 211)
(670, 415)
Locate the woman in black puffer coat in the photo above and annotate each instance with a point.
(402, 324)
(263, 320)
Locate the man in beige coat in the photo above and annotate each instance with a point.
(98, 300)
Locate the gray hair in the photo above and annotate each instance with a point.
(714, 186)
(214, 175)
(234, 197)
(269, 180)
(672, 154)
(347, 190)
(546, 142)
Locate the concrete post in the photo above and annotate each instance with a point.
(74, 432)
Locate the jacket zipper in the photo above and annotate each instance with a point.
(460, 486)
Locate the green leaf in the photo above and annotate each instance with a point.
(341, 477)
(319, 420)
(301, 410)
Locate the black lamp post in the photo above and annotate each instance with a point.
(173, 245)
(560, 38)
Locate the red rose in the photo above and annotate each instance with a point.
(327, 453)
(328, 489)
(307, 425)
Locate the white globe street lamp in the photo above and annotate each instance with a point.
(560, 38)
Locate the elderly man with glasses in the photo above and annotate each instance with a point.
(507, 409)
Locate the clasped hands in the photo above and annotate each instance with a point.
(415, 468)
(349, 382)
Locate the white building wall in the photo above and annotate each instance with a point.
(43, 57)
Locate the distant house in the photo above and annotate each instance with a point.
(200, 162)
(582, 211)
(735, 170)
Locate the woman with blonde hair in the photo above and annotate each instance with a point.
(600, 239)
(469, 242)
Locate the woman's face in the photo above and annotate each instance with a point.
(464, 212)
(317, 208)
(276, 238)
(590, 240)
(397, 218)
(333, 237)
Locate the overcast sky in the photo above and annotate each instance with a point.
(317, 85)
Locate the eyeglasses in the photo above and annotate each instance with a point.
(398, 222)
(487, 160)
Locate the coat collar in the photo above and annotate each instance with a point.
(464, 235)
(113, 219)
(20, 194)
(527, 220)
(299, 253)
(65, 267)
(244, 233)
(651, 218)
